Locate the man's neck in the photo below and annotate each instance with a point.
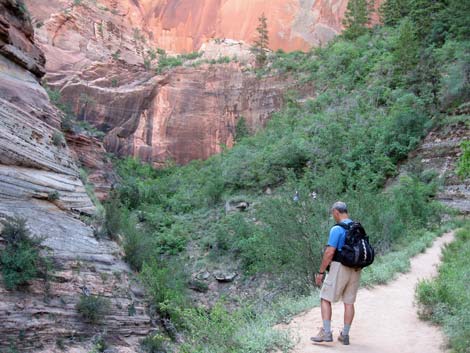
(343, 217)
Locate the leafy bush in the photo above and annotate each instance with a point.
(21, 260)
(154, 344)
(445, 299)
(463, 167)
(57, 139)
(53, 196)
(166, 285)
(93, 308)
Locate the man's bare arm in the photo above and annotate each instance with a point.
(327, 258)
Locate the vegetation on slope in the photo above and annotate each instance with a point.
(445, 300)
(378, 91)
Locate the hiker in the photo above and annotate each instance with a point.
(341, 281)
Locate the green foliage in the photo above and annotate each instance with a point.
(393, 11)
(445, 299)
(455, 86)
(93, 308)
(168, 62)
(357, 18)
(53, 196)
(261, 44)
(113, 216)
(154, 344)
(378, 93)
(166, 285)
(116, 55)
(405, 47)
(241, 129)
(21, 260)
(463, 167)
(58, 139)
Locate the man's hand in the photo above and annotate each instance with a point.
(319, 279)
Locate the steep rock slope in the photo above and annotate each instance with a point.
(95, 53)
(184, 25)
(186, 114)
(35, 162)
(439, 153)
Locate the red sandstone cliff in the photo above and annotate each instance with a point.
(185, 114)
(184, 25)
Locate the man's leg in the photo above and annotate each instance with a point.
(348, 314)
(325, 334)
(348, 319)
(326, 315)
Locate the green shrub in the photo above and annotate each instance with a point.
(155, 343)
(241, 129)
(57, 139)
(113, 215)
(445, 299)
(21, 259)
(138, 246)
(53, 196)
(166, 285)
(93, 308)
(463, 167)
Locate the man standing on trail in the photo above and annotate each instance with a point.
(341, 281)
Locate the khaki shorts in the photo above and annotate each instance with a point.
(341, 282)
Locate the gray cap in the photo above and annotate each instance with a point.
(340, 206)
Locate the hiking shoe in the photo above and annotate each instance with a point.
(344, 339)
(322, 336)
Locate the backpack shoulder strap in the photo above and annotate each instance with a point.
(344, 225)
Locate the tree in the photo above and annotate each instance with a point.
(86, 100)
(261, 44)
(241, 130)
(393, 11)
(406, 47)
(356, 18)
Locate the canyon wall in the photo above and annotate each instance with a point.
(187, 114)
(184, 25)
(39, 181)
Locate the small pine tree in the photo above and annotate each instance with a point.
(241, 129)
(406, 47)
(356, 18)
(393, 11)
(261, 44)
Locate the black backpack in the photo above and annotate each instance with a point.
(356, 251)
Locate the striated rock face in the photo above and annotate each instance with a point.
(95, 29)
(45, 314)
(189, 113)
(91, 154)
(440, 152)
(95, 53)
(34, 159)
(35, 163)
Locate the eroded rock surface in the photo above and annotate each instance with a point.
(39, 181)
(440, 152)
(187, 114)
(99, 28)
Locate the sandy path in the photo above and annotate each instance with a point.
(386, 319)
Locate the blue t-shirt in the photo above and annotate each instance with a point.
(338, 235)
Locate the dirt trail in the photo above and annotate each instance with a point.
(386, 319)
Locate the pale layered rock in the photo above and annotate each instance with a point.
(46, 313)
(440, 152)
(233, 49)
(35, 168)
(92, 156)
